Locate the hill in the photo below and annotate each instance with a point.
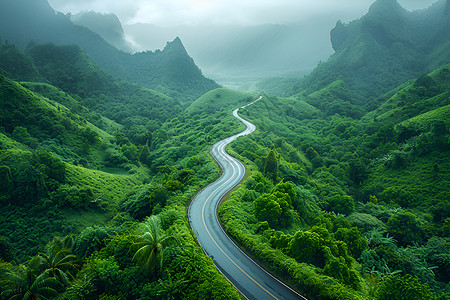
(237, 53)
(94, 94)
(170, 71)
(384, 49)
(46, 149)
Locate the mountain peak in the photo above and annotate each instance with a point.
(176, 46)
(385, 6)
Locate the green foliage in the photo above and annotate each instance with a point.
(271, 165)
(306, 247)
(149, 248)
(6, 249)
(90, 240)
(355, 241)
(369, 164)
(142, 203)
(144, 156)
(339, 269)
(365, 222)
(267, 208)
(72, 196)
(58, 260)
(16, 65)
(405, 228)
(7, 184)
(402, 287)
(342, 204)
(25, 282)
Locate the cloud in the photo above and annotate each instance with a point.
(226, 12)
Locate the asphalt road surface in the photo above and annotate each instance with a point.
(251, 280)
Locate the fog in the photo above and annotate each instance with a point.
(243, 40)
(169, 13)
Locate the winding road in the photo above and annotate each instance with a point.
(251, 280)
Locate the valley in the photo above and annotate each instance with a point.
(105, 158)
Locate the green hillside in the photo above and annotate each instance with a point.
(100, 190)
(383, 49)
(170, 71)
(17, 66)
(379, 184)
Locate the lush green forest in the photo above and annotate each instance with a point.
(346, 194)
(170, 70)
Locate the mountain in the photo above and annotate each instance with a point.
(244, 51)
(23, 21)
(383, 49)
(17, 66)
(107, 26)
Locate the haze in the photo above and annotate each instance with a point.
(231, 40)
(232, 12)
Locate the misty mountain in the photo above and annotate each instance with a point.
(171, 71)
(107, 26)
(16, 66)
(258, 51)
(384, 48)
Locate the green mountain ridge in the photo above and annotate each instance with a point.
(153, 70)
(138, 109)
(383, 49)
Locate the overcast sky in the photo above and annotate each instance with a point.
(240, 12)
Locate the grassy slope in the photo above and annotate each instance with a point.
(22, 107)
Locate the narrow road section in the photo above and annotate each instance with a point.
(250, 279)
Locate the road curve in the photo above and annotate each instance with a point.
(251, 280)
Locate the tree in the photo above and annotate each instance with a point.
(271, 164)
(26, 282)
(268, 209)
(286, 188)
(150, 245)
(58, 260)
(6, 249)
(6, 181)
(405, 228)
(352, 237)
(402, 287)
(338, 268)
(307, 247)
(21, 135)
(342, 204)
(144, 156)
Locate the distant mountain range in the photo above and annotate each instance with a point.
(258, 51)
(170, 71)
(108, 26)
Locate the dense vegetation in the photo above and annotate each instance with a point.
(355, 200)
(52, 186)
(343, 199)
(382, 50)
(170, 70)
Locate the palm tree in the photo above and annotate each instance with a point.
(58, 260)
(23, 283)
(150, 245)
